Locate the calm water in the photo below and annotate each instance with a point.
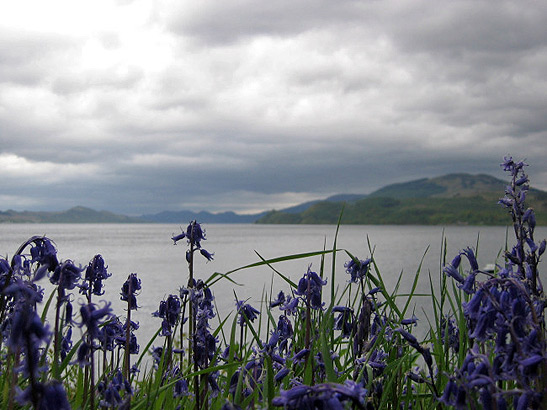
(148, 250)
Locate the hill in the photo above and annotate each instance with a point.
(202, 217)
(78, 214)
(448, 200)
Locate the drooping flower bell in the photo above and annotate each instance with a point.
(194, 234)
(129, 290)
(309, 289)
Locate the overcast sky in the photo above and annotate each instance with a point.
(142, 106)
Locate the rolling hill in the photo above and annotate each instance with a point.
(448, 200)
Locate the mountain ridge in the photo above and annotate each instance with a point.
(452, 199)
(456, 198)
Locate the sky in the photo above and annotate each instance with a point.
(137, 107)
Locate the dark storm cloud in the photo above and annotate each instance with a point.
(249, 106)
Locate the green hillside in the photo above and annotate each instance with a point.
(450, 200)
(78, 214)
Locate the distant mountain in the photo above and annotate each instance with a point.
(202, 217)
(78, 214)
(443, 187)
(450, 199)
(334, 198)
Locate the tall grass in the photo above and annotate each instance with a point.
(483, 344)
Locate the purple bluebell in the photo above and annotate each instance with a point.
(180, 389)
(96, 272)
(157, 354)
(26, 324)
(83, 353)
(129, 290)
(92, 317)
(285, 331)
(453, 272)
(43, 252)
(357, 269)
(300, 356)
(279, 300)
(246, 312)
(468, 285)
(66, 343)
(110, 392)
(281, 374)
(194, 234)
(410, 321)
(310, 288)
(205, 343)
(450, 333)
(322, 396)
(48, 396)
(206, 254)
(169, 311)
(289, 306)
(230, 406)
(24, 290)
(66, 275)
(112, 333)
(344, 320)
(470, 255)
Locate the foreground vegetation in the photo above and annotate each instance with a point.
(483, 346)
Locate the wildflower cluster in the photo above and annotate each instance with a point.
(505, 317)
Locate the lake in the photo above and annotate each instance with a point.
(147, 250)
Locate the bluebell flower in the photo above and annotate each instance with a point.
(300, 356)
(26, 324)
(157, 353)
(468, 285)
(207, 255)
(50, 396)
(281, 374)
(23, 290)
(134, 347)
(66, 343)
(180, 388)
(110, 392)
(322, 396)
(54, 397)
(96, 272)
(43, 252)
(83, 353)
(289, 306)
(357, 269)
(112, 333)
(285, 331)
(450, 333)
(129, 290)
(410, 321)
(66, 275)
(470, 255)
(279, 300)
(246, 312)
(344, 320)
(169, 311)
(92, 317)
(409, 337)
(453, 272)
(230, 406)
(309, 289)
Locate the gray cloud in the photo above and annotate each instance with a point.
(246, 106)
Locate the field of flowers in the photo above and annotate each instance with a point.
(485, 344)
